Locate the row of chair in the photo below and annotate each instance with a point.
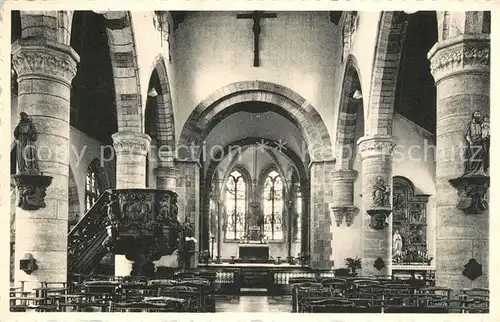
(182, 293)
(372, 295)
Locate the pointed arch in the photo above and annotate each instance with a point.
(164, 113)
(347, 121)
(123, 54)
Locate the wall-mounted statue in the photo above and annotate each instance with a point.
(381, 193)
(472, 186)
(30, 182)
(26, 136)
(478, 144)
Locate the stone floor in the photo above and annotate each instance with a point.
(255, 302)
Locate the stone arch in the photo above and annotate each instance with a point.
(54, 26)
(123, 56)
(345, 146)
(296, 108)
(164, 114)
(390, 36)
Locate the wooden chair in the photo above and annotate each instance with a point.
(312, 293)
(475, 300)
(329, 305)
(295, 292)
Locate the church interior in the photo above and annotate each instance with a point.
(253, 161)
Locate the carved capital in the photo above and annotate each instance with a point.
(345, 175)
(49, 60)
(32, 189)
(372, 146)
(472, 193)
(344, 212)
(466, 53)
(131, 143)
(166, 172)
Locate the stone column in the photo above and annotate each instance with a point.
(166, 172)
(376, 221)
(343, 190)
(166, 178)
(343, 211)
(461, 69)
(188, 190)
(220, 209)
(321, 197)
(131, 149)
(45, 71)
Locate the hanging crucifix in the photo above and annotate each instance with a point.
(256, 16)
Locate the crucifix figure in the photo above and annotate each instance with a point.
(256, 16)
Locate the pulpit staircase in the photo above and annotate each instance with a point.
(141, 224)
(85, 249)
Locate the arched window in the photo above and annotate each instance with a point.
(273, 206)
(236, 200)
(92, 184)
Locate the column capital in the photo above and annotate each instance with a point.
(344, 175)
(50, 59)
(375, 145)
(462, 54)
(131, 143)
(167, 172)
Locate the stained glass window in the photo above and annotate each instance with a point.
(235, 205)
(92, 190)
(273, 206)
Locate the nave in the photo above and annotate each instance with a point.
(312, 172)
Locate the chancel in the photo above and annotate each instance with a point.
(182, 178)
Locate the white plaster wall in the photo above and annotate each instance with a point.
(149, 45)
(215, 49)
(83, 149)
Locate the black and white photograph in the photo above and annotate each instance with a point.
(247, 161)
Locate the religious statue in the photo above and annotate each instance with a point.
(478, 141)
(381, 193)
(113, 211)
(26, 136)
(397, 245)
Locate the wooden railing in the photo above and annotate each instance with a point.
(141, 224)
(85, 249)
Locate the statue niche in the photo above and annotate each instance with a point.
(30, 182)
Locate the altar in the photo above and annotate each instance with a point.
(253, 252)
